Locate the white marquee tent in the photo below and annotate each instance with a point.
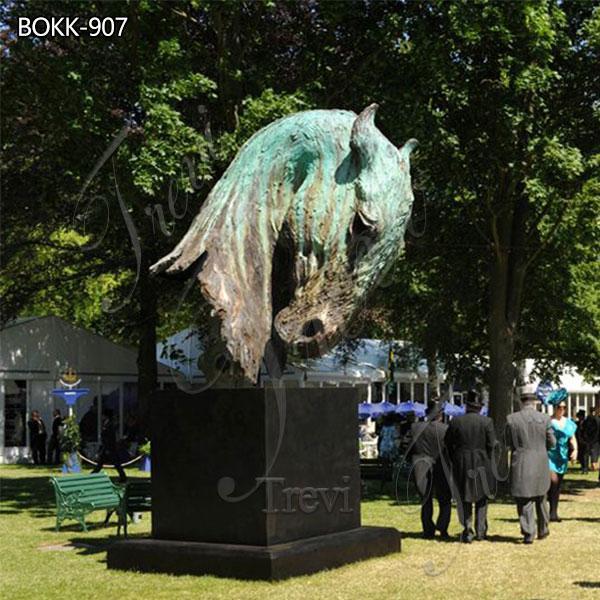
(365, 368)
(35, 351)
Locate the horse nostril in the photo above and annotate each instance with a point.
(312, 327)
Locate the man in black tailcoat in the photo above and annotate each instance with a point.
(428, 468)
(108, 452)
(470, 441)
(37, 438)
(54, 445)
(529, 436)
(590, 434)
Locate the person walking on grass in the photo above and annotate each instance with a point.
(108, 447)
(590, 436)
(529, 436)
(566, 448)
(427, 451)
(471, 441)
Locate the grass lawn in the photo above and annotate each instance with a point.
(37, 562)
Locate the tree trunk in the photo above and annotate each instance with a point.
(432, 375)
(226, 24)
(501, 377)
(507, 283)
(146, 361)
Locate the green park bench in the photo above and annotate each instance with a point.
(79, 495)
(137, 498)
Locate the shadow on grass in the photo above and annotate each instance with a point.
(505, 539)
(417, 535)
(588, 584)
(584, 519)
(89, 545)
(577, 487)
(33, 494)
(74, 526)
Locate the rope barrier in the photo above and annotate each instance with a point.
(95, 464)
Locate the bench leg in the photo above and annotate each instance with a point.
(120, 522)
(81, 519)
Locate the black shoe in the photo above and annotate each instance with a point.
(555, 519)
(466, 539)
(528, 540)
(444, 535)
(428, 536)
(481, 538)
(541, 536)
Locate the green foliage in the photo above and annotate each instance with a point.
(71, 438)
(256, 114)
(145, 448)
(507, 110)
(167, 139)
(503, 97)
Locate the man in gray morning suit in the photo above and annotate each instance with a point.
(529, 435)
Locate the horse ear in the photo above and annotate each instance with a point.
(362, 136)
(408, 147)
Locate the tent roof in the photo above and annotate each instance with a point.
(48, 345)
(369, 362)
(570, 379)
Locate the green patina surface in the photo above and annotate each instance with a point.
(298, 230)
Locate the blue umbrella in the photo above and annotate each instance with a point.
(411, 407)
(381, 408)
(364, 410)
(453, 410)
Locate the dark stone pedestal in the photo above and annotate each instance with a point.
(254, 562)
(266, 480)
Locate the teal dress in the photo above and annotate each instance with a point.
(558, 456)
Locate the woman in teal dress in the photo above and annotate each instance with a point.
(566, 448)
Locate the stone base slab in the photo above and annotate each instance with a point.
(278, 561)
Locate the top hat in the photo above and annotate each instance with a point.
(528, 392)
(433, 409)
(474, 400)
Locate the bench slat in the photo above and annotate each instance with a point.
(84, 478)
(91, 484)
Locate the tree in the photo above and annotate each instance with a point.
(503, 98)
(87, 94)
(507, 111)
(77, 222)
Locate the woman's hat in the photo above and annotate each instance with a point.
(558, 397)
